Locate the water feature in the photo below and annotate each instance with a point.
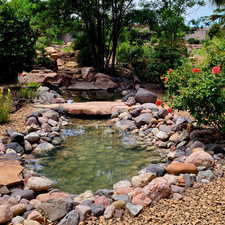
(94, 156)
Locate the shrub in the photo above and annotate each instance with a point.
(150, 62)
(16, 44)
(6, 106)
(202, 93)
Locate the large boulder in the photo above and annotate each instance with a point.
(145, 96)
(157, 189)
(200, 158)
(179, 167)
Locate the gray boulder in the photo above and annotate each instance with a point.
(143, 119)
(72, 218)
(145, 96)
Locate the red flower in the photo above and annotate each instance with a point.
(158, 102)
(170, 71)
(196, 70)
(166, 79)
(216, 69)
(170, 110)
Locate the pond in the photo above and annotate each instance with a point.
(93, 157)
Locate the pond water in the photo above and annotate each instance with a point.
(94, 156)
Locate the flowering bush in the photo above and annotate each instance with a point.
(201, 92)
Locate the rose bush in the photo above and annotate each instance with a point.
(201, 92)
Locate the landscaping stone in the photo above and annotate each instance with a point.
(171, 179)
(157, 189)
(109, 211)
(84, 211)
(205, 175)
(43, 148)
(156, 169)
(56, 209)
(122, 184)
(179, 167)
(145, 96)
(140, 198)
(87, 195)
(22, 193)
(5, 214)
(142, 179)
(134, 209)
(32, 137)
(39, 183)
(200, 158)
(97, 210)
(72, 218)
(15, 146)
(127, 125)
(51, 114)
(17, 220)
(124, 198)
(143, 119)
(18, 209)
(102, 201)
(162, 135)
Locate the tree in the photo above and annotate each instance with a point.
(219, 3)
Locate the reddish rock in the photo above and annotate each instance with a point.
(10, 171)
(48, 196)
(141, 199)
(157, 189)
(36, 216)
(18, 209)
(142, 179)
(123, 190)
(5, 214)
(105, 83)
(179, 167)
(200, 158)
(102, 200)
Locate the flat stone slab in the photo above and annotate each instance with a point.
(10, 171)
(83, 86)
(87, 108)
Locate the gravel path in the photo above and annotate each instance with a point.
(203, 206)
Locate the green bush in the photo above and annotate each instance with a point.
(6, 106)
(201, 92)
(150, 62)
(29, 92)
(17, 42)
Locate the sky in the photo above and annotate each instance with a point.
(198, 12)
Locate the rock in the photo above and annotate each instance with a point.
(165, 128)
(18, 209)
(109, 211)
(124, 198)
(27, 147)
(10, 171)
(104, 192)
(142, 179)
(85, 71)
(25, 194)
(54, 195)
(141, 198)
(32, 137)
(57, 141)
(2, 148)
(156, 169)
(15, 136)
(43, 148)
(105, 83)
(134, 209)
(5, 214)
(39, 183)
(84, 211)
(145, 96)
(136, 111)
(15, 146)
(157, 189)
(123, 191)
(31, 121)
(30, 222)
(131, 101)
(125, 115)
(56, 209)
(87, 195)
(175, 137)
(179, 167)
(97, 210)
(119, 204)
(177, 196)
(4, 190)
(189, 179)
(177, 189)
(205, 175)
(17, 220)
(72, 218)
(36, 216)
(122, 184)
(171, 179)
(102, 201)
(200, 158)
(143, 119)
(198, 149)
(215, 148)
(162, 135)
(126, 125)
(162, 113)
